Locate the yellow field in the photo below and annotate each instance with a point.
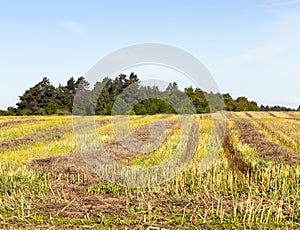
(253, 183)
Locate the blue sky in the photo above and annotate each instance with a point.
(251, 48)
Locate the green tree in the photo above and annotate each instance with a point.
(253, 106)
(82, 103)
(11, 111)
(230, 104)
(110, 89)
(51, 108)
(140, 109)
(242, 104)
(36, 99)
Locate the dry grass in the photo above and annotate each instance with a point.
(243, 189)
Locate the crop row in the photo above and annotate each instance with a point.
(225, 195)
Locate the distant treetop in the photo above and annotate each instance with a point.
(45, 99)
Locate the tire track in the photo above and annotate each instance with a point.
(234, 157)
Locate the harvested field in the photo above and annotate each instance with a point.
(248, 115)
(71, 178)
(272, 114)
(266, 149)
(45, 182)
(133, 144)
(73, 168)
(234, 157)
(50, 134)
(17, 122)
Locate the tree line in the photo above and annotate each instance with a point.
(107, 96)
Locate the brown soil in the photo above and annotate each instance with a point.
(272, 114)
(128, 147)
(82, 205)
(69, 197)
(10, 123)
(248, 115)
(267, 150)
(292, 116)
(71, 165)
(234, 157)
(71, 178)
(206, 116)
(228, 115)
(54, 133)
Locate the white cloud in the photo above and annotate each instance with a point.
(73, 27)
(267, 3)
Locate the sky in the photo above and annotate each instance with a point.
(251, 48)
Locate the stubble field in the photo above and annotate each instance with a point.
(254, 183)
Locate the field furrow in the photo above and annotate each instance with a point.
(283, 132)
(267, 150)
(252, 182)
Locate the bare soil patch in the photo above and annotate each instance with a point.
(129, 147)
(75, 202)
(267, 150)
(70, 165)
(10, 123)
(74, 164)
(54, 133)
(71, 177)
